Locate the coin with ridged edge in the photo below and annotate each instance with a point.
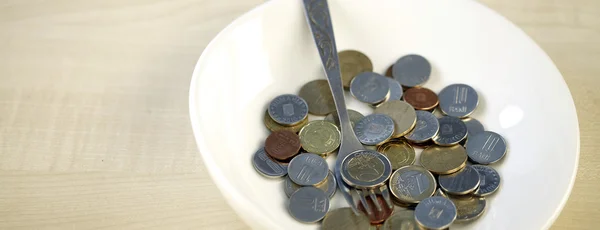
(329, 186)
(345, 219)
(468, 208)
(458, 100)
(288, 109)
(317, 95)
(320, 137)
(308, 169)
(374, 129)
(411, 70)
(444, 160)
(411, 184)
(308, 204)
(463, 182)
(365, 169)
(352, 114)
(452, 131)
(402, 220)
(399, 152)
(370, 87)
(435, 212)
(273, 126)
(267, 166)
(402, 113)
(353, 62)
(486, 147)
(426, 128)
(489, 180)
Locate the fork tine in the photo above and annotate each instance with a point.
(375, 201)
(363, 201)
(386, 196)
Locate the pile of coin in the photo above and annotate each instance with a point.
(447, 183)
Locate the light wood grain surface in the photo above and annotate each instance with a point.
(94, 127)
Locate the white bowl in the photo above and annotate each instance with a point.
(269, 51)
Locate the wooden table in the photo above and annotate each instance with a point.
(94, 127)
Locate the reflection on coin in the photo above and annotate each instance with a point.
(308, 169)
(452, 131)
(266, 166)
(474, 127)
(329, 186)
(402, 220)
(426, 128)
(402, 113)
(318, 97)
(459, 183)
(486, 147)
(435, 212)
(352, 114)
(320, 137)
(458, 100)
(421, 98)
(282, 144)
(439, 192)
(444, 160)
(395, 90)
(411, 70)
(489, 180)
(365, 169)
(288, 109)
(374, 129)
(370, 87)
(345, 219)
(352, 63)
(377, 216)
(411, 184)
(468, 208)
(308, 204)
(273, 126)
(398, 152)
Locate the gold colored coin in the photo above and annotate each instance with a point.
(353, 62)
(317, 95)
(402, 220)
(411, 184)
(402, 113)
(444, 160)
(320, 137)
(345, 219)
(399, 152)
(468, 208)
(273, 126)
(352, 114)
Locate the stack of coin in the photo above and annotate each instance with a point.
(450, 183)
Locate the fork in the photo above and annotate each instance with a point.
(319, 20)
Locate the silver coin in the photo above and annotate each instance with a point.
(486, 147)
(489, 180)
(267, 166)
(288, 109)
(395, 89)
(411, 70)
(458, 100)
(374, 129)
(308, 204)
(308, 169)
(435, 212)
(329, 187)
(352, 114)
(462, 182)
(427, 127)
(452, 131)
(366, 169)
(474, 127)
(370, 87)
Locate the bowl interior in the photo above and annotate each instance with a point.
(269, 51)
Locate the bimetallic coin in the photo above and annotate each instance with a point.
(395, 90)
(402, 220)
(317, 95)
(267, 166)
(320, 137)
(374, 129)
(308, 169)
(439, 192)
(435, 212)
(426, 128)
(462, 182)
(282, 144)
(352, 114)
(411, 70)
(489, 180)
(444, 160)
(370, 87)
(421, 98)
(377, 216)
(288, 109)
(411, 184)
(345, 219)
(365, 169)
(468, 208)
(458, 100)
(329, 186)
(402, 113)
(398, 152)
(273, 126)
(474, 127)
(308, 204)
(486, 147)
(452, 131)
(352, 63)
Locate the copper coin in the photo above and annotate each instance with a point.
(388, 72)
(421, 98)
(377, 216)
(282, 144)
